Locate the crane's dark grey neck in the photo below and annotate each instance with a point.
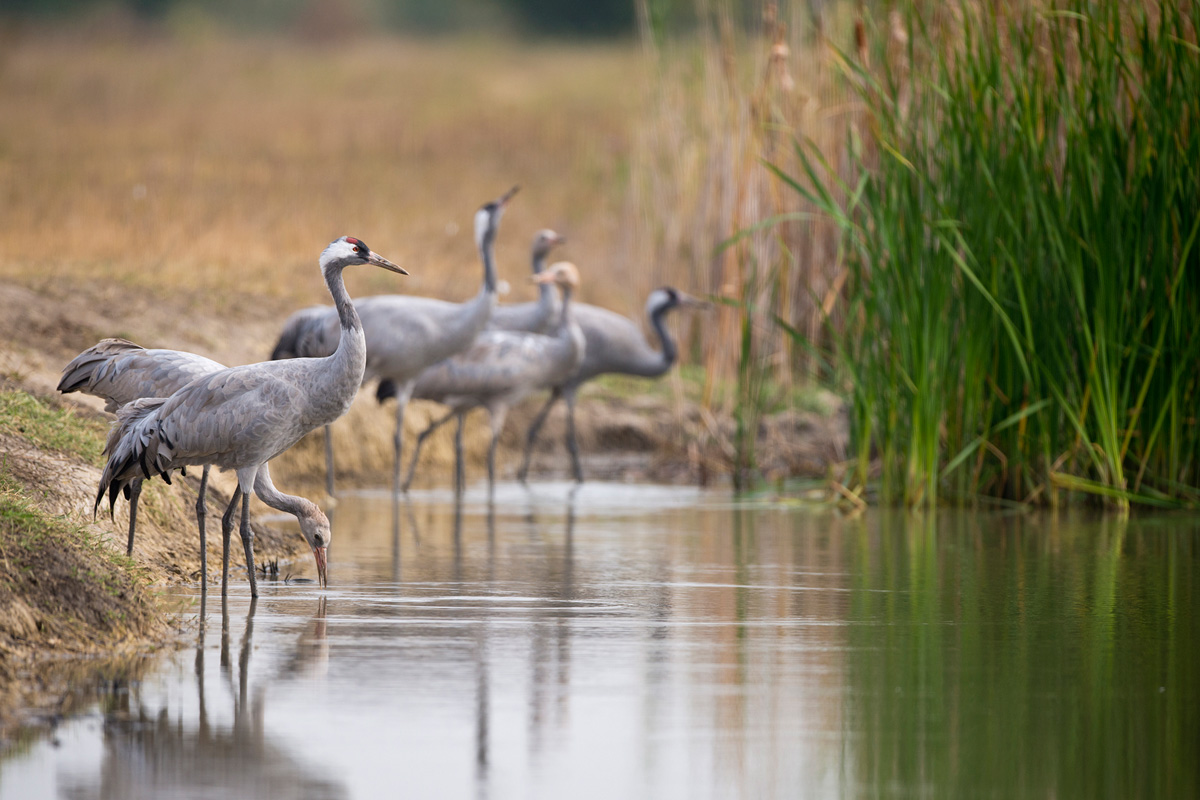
(489, 260)
(669, 351)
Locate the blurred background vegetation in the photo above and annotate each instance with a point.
(976, 222)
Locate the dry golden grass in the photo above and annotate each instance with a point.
(227, 165)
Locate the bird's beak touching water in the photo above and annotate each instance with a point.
(380, 261)
(319, 553)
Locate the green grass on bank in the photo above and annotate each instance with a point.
(22, 414)
(60, 582)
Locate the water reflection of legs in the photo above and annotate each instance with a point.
(458, 512)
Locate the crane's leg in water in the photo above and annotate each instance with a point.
(496, 417)
(226, 532)
(135, 491)
(531, 436)
(248, 536)
(412, 464)
(572, 443)
(459, 469)
(328, 461)
(201, 517)
(403, 394)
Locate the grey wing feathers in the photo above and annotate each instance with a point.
(120, 372)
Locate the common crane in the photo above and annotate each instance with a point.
(240, 418)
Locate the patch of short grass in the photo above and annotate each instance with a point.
(70, 583)
(22, 414)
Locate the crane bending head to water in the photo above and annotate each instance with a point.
(240, 418)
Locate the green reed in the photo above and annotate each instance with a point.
(1024, 276)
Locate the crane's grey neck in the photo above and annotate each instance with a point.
(486, 252)
(300, 507)
(347, 314)
(564, 317)
(669, 351)
(545, 290)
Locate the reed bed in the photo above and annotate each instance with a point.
(731, 91)
(1023, 273)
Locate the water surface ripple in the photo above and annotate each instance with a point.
(622, 641)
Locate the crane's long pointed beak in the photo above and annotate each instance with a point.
(508, 195)
(380, 261)
(320, 553)
(687, 301)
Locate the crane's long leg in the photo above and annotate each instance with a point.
(226, 532)
(201, 516)
(531, 436)
(460, 477)
(135, 491)
(412, 464)
(328, 461)
(496, 418)
(248, 543)
(403, 394)
(572, 443)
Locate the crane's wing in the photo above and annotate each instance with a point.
(120, 372)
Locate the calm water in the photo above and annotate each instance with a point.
(648, 642)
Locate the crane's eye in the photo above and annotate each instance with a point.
(356, 249)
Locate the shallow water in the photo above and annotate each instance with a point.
(652, 642)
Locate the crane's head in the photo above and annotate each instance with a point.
(667, 298)
(563, 274)
(347, 251)
(487, 218)
(314, 525)
(545, 241)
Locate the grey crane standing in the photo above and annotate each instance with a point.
(240, 418)
(404, 334)
(614, 345)
(500, 369)
(119, 372)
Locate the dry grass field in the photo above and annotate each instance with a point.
(226, 165)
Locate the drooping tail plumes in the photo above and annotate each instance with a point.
(132, 451)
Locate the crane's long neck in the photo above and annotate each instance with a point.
(300, 507)
(350, 358)
(669, 351)
(487, 253)
(545, 290)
